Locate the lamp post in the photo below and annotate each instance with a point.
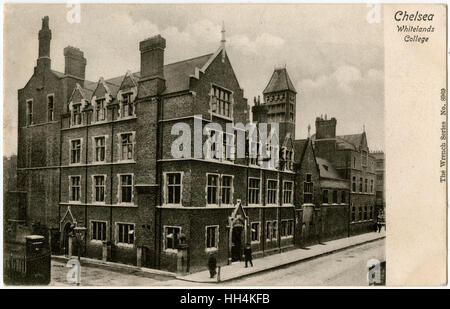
(79, 234)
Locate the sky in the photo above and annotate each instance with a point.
(335, 58)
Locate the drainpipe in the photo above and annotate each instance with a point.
(111, 181)
(86, 187)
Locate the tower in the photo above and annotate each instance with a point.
(280, 100)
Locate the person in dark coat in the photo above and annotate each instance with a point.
(212, 264)
(248, 254)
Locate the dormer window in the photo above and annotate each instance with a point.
(127, 105)
(221, 100)
(76, 114)
(100, 110)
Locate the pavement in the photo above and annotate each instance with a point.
(237, 270)
(230, 272)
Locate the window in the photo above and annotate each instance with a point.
(76, 114)
(221, 101)
(173, 188)
(371, 186)
(272, 188)
(269, 230)
(99, 149)
(288, 159)
(126, 144)
(335, 197)
(353, 214)
(253, 190)
(255, 151)
(360, 213)
(325, 197)
(365, 185)
(75, 188)
(255, 231)
(50, 108)
(353, 184)
(354, 162)
(213, 189)
(127, 105)
(172, 235)
(125, 233)
(288, 191)
(365, 212)
(98, 230)
(126, 188)
(227, 190)
(274, 230)
(228, 147)
(371, 212)
(287, 228)
(75, 151)
(100, 110)
(29, 112)
(212, 237)
(99, 188)
(360, 185)
(379, 177)
(308, 189)
(343, 197)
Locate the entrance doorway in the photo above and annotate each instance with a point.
(236, 243)
(65, 241)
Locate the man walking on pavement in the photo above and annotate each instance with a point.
(248, 255)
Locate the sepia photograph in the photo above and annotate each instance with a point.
(197, 144)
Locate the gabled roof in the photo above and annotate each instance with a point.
(351, 141)
(279, 81)
(299, 148)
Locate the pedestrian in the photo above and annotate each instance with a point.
(212, 264)
(379, 223)
(248, 255)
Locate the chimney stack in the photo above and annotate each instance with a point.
(152, 57)
(325, 128)
(75, 63)
(45, 36)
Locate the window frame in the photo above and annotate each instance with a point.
(71, 200)
(254, 188)
(273, 191)
(218, 188)
(216, 238)
(291, 194)
(52, 118)
(257, 232)
(305, 183)
(29, 105)
(117, 234)
(327, 195)
(119, 190)
(128, 103)
(94, 188)
(166, 188)
(95, 147)
(165, 235)
(91, 225)
(80, 161)
(217, 101)
(121, 145)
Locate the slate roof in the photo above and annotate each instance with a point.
(176, 74)
(351, 141)
(326, 169)
(299, 147)
(279, 81)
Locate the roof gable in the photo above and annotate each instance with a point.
(280, 81)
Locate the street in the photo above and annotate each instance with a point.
(347, 267)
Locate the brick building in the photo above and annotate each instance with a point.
(380, 192)
(99, 155)
(350, 157)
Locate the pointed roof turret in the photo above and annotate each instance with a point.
(279, 81)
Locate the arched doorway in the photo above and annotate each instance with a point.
(237, 243)
(66, 235)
